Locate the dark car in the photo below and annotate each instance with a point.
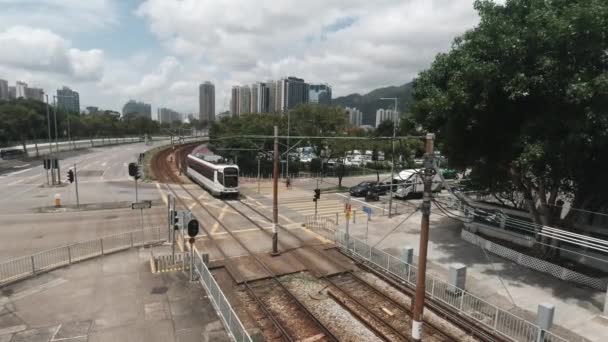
(11, 154)
(361, 189)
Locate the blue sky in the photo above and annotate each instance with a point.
(158, 51)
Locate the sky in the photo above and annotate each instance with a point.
(159, 51)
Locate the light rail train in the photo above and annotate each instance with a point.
(214, 174)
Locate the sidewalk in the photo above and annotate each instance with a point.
(577, 309)
(110, 299)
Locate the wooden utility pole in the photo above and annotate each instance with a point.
(275, 193)
(429, 171)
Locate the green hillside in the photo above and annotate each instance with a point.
(370, 102)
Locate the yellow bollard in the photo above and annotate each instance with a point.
(57, 200)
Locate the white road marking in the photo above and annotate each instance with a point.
(56, 331)
(18, 172)
(12, 329)
(360, 201)
(32, 290)
(17, 182)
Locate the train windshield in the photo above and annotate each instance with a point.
(230, 177)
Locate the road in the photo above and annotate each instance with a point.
(30, 223)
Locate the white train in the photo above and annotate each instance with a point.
(212, 173)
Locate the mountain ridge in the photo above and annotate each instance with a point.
(370, 102)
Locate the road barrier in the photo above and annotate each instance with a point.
(27, 266)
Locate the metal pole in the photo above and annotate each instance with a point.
(258, 175)
(275, 193)
(50, 146)
(390, 195)
(316, 202)
(367, 228)
(169, 216)
(69, 133)
(191, 260)
(56, 143)
(76, 186)
(288, 129)
(424, 240)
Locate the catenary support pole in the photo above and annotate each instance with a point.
(258, 175)
(275, 193)
(424, 240)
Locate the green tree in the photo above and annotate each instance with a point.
(522, 99)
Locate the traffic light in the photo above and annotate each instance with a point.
(174, 219)
(192, 228)
(317, 194)
(71, 176)
(134, 170)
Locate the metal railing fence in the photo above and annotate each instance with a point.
(220, 303)
(495, 319)
(31, 265)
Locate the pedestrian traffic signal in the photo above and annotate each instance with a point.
(317, 194)
(71, 176)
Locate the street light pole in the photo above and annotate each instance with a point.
(288, 126)
(50, 146)
(390, 193)
(56, 143)
(275, 193)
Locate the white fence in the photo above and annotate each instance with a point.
(24, 267)
(220, 303)
(492, 317)
(534, 263)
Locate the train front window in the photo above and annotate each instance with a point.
(231, 177)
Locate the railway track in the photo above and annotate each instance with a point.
(288, 327)
(388, 331)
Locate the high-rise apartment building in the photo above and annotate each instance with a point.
(355, 116)
(12, 92)
(20, 88)
(386, 114)
(168, 116)
(206, 99)
(319, 94)
(68, 100)
(234, 101)
(253, 108)
(34, 94)
(272, 94)
(3, 90)
(137, 109)
(293, 91)
(244, 104)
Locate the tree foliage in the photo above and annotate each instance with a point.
(522, 99)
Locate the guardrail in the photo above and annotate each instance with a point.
(460, 300)
(28, 266)
(220, 303)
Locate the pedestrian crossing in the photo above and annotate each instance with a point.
(328, 206)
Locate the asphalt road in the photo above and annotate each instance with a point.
(29, 224)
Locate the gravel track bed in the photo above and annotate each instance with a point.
(311, 291)
(446, 327)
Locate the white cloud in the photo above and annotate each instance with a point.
(65, 16)
(35, 49)
(353, 45)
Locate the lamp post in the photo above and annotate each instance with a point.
(68, 116)
(50, 146)
(390, 193)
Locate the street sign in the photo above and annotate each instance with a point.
(141, 205)
(367, 210)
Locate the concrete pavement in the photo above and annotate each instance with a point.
(109, 299)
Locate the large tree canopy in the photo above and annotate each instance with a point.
(523, 98)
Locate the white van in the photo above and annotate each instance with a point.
(410, 183)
